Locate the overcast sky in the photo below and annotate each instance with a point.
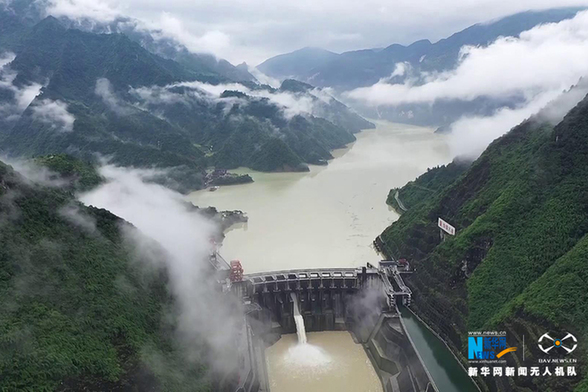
(253, 30)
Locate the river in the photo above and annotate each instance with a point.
(329, 217)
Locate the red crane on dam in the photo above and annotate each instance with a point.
(236, 274)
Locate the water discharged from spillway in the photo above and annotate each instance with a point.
(299, 320)
(305, 356)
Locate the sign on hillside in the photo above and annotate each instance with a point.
(446, 227)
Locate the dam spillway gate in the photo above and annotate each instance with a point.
(362, 301)
(324, 295)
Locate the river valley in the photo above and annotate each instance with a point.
(329, 217)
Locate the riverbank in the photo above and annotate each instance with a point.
(394, 201)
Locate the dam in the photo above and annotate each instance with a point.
(363, 301)
(317, 223)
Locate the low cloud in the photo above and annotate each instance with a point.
(536, 67)
(54, 113)
(215, 90)
(34, 173)
(291, 104)
(6, 58)
(22, 96)
(548, 57)
(471, 135)
(263, 78)
(191, 94)
(203, 315)
(76, 9)
(73, 214)
(400, 70)
(163, 25)
(214, 41)
(555, 111)
(105, 91)
(156, 95)
(234, 29)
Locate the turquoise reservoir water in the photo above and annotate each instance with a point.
(442, 365)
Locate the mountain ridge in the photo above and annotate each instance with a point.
(361, 68)
(106, 94)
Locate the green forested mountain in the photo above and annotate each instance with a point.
(327, 107)
(427, 185)
(202, 63)
(105, 94)
(519, 259)
(18, 16)
(235, 128)
(69, 62)
(79, 309)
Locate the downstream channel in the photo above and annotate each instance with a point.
(329, 217)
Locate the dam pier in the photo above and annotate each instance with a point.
(363, 301)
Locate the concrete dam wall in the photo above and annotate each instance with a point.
(356, 300)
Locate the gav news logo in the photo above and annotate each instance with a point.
(488, 346)
(567, 343)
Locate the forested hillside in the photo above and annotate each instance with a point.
(519, 258)
(80, 310)
(427, 185)
(104, 95)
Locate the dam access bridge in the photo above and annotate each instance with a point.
(361, 300)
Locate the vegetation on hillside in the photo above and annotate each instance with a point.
(79, 310)
(521, 214)
(232, 179)
(105, 94)
(82, 175)
(427, 185)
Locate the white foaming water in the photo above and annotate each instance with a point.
(330, 361)
(307, 357)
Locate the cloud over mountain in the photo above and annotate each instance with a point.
(534, 68)
(248, 31)
(548, 57)
(54, 113)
